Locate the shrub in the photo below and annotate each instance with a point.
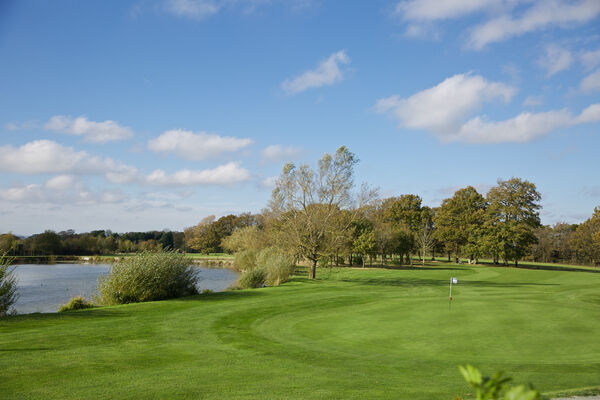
(206, 291)
(495, 387)
(252, 278)
(75, 303)
(277, 265)
(147, 276)
(8, 286)
(245, 260)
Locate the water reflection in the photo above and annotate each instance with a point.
(43, 288)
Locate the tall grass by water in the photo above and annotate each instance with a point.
(147, 276)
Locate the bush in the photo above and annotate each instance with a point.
(76, 303)
(8, 286)
(206, 291)
(277, 265)
(252, 278)
(245, 260)
(147, 276)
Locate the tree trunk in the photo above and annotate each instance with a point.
(313, 270)
(363, 260)
(516, 263)
(449, 257)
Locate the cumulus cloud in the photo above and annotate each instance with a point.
(62, 189)
(195, 9)
(196, 146)
(555, 59)
(434, 10)
(91, 131)
(510, 18)
(591, 83)
(48, 157)
(590, 59)
(533, 101)
(278, 153)
(443, 107)
(541, 15)
(327, 72)
(61, 182)
(226, 174)
(445, 111)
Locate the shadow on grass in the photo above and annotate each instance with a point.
(418, 282)
(226, 295)
(542, 267)
(91, 313)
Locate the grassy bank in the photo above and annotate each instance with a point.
(362, 334)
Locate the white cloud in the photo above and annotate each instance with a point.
(541, 15)
(555, 59)
(523, 128)
(443, 107)
(327, 72)
(195, 9)
(434, 10)
(196, 146)
(59, 190)
(278, 153)
(591, 83)
(591, 59)
(533, 101)
(48, 157)
(590, 114)
(95, 132)
(61, 182)
(226, 174)
(269, 182)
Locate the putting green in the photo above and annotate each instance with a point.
(353, 333)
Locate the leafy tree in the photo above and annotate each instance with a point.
(309, 202)
(585, 241)
(9, 243)
(512, 217)
(459, 219)
(166, 240)
(45, 243)
(365, 245)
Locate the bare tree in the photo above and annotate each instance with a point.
(309, 205)
(425, 240)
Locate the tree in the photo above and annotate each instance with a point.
(512, 217)
(458, 220)
(8, 286)
(308, 204)
(425, 241)
(9, 243)
(585, 241)
(166, 240)
(365, 245)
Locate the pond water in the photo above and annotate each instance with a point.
(43, 287)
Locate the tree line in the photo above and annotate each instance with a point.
(319, 216)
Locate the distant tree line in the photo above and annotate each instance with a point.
(316, 215)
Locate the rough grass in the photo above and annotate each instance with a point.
(352, 334)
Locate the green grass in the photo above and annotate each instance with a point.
(352, 334)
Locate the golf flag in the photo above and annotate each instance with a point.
(454, 280)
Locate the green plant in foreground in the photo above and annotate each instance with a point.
(8, 285)
(147, 276)
(75, 303)
(494, 388)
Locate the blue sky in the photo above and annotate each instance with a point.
(152, 114)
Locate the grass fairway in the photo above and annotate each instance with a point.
(352, 334)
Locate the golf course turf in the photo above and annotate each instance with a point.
(351, 334)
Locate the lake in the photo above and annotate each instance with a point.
(43, 287)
